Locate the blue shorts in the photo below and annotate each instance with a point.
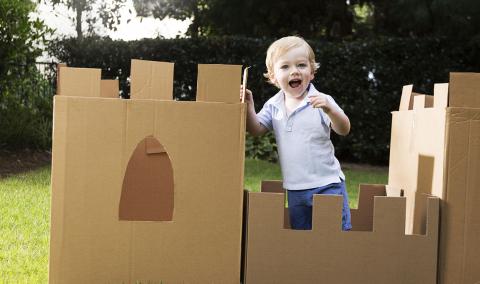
(300, 205)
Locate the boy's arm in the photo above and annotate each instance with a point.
(339, 120)
(254, 127)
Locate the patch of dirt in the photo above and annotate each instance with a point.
(12, 163)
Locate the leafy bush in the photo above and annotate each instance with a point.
(26, 112)
(261, 147)
(364, 76)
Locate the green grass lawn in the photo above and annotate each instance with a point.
(25, 216)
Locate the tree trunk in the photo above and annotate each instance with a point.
(79, 9)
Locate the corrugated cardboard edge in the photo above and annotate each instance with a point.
(57, 180)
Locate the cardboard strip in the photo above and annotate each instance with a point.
(327, 213)
(151, 80)
(362, 218)
(244, 83)
(79, 82)
(276, 186)
(109, 89)
(389, 215)
(422, 101)
(218, 83)
(405, 99)
(440, 95)
(147, 191)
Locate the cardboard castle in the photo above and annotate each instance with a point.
(150, 190)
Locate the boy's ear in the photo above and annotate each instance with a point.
(271, 77)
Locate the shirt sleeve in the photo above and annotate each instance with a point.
(334, 105)
(265, 116)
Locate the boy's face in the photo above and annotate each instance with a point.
(292, 72)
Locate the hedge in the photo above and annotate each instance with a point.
(364, 76)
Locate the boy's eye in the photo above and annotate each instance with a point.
(284, 67)
(302, 65)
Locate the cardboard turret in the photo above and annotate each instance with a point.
(435, 149)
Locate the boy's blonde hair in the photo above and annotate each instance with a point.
(283, 45)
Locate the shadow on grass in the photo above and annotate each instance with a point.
(15, 162)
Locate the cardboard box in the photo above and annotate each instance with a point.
(375, 251)
(146, 189)
(436, 150)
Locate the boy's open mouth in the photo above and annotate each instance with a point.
(295, 83)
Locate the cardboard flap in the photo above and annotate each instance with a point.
(422, 101)
(78, 82)
(389, 215)
(406, 96)
(109, 89)
(433, 219)
(464, 90)
(147, 190)
(327, 213)
(152, 146)
(219, 83)
(362, 218)
(272, 186)
(265, 210)
(440, 95)
(151, 80)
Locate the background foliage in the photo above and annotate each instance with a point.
(364, 76)
(25, 117)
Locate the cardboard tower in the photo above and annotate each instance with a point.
(147, 190)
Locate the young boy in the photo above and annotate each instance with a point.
(301, 118)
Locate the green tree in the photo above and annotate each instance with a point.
(255, 18)
(24, 114)
(92, 11)
(20, 35)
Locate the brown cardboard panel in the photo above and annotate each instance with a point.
(327, 255)
(277, 186)
(414, 134)
(464, 90)
(202, 244)
(86, 173)
(405, 101)
(362, 217)
(422, 101)
(218, 83)
(147, 191)
(109, 89)
(151, 80)
(440, 92)
(79, 82)
(272, 186)
(459, 246)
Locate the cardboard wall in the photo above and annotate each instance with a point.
(437, 150)
(326, 254)
(93, 141)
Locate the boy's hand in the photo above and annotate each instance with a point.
(319, 100)
(248, 96)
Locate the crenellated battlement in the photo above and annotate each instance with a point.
(273, 252)
(153, 80)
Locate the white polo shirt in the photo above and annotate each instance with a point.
(307, 155)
